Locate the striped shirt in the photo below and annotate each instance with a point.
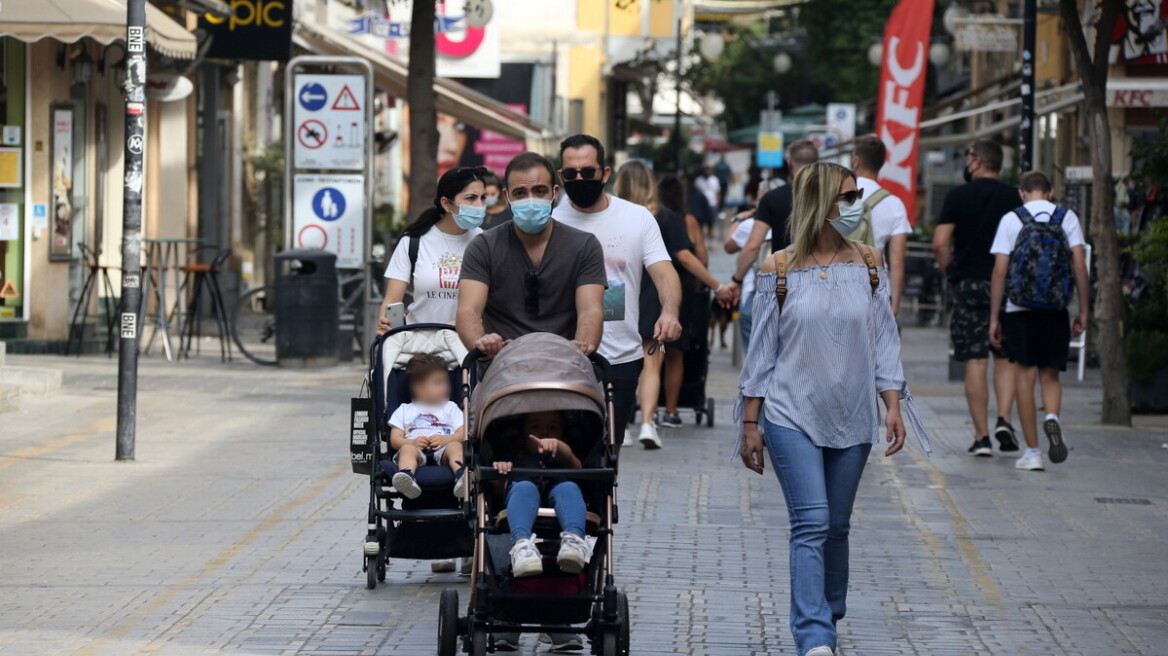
(820, 364)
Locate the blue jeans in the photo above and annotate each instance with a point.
(746, 319)
(523, 504)
(820, 487)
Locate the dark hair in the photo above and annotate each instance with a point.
(491, 180)
(671, 194)
(802, 153)
(580, 141)
(870, 150)
(526, 162)
(422, 366)
(989, 152)
(1035, 181)
(450, 185)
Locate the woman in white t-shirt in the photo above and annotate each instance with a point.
(442, 233)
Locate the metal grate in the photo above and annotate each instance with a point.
(1124, 500)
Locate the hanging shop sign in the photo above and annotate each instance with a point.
(256, 29)
(61, 150)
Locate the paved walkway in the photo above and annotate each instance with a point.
(238, 531)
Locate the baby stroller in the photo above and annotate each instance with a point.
(436, 525)
(537, 373)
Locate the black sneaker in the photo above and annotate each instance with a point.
(1054, 433)
(982, 448)
(1007, 439)
(671, 420)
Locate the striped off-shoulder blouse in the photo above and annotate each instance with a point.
(820, 364)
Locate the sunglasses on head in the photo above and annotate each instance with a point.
(531, 287)
(476, 171)
(852, 196)
(587, 173)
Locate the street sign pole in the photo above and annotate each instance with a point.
(1026, 127)
(135, 90)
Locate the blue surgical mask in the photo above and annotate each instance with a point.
(469, 217)
(531, 215)
(850, 217)
(491, 200)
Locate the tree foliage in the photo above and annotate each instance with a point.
(839, 33)
(741, 76)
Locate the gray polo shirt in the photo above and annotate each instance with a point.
(497, 259)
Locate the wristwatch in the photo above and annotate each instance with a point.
(735, 280)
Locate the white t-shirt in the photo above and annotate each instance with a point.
(435, 283)
(631, 240)
(740, 236)
(417, 420)
(1011, 225)
(709, 186)
(888, 217)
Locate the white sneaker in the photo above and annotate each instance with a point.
(562, 642)
(404, 482)
(629, 441)
(574, 553)
(442, 566)
(820, 651)
(1030, 461)
(460, 484)
(649, 437)
(525, 559)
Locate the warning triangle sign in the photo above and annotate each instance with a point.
(9, 290)
(346, 100)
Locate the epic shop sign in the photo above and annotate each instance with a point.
(902, 89)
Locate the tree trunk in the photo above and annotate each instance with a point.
(423, 178)
(1092, 65)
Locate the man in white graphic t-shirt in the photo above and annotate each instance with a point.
(632, 243)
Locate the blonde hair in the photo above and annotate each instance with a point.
(635, 183)
(816, 189)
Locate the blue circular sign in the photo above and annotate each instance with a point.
(328, 204)
(312, 96)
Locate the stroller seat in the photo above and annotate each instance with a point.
(546, 525)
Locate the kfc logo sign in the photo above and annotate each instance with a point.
(1137, 93)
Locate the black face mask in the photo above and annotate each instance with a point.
(967, 174)
(584, 193)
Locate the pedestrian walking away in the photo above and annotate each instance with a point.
(885, 226)
(773, 210)
(428, 258)
(558, 285)
(632, 243)
(1039, 255)
(825, 349)
(969, 219)
(635, 183)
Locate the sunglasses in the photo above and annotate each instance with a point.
(476, 171)
(852, 196)
(586, 173)
(531, 287)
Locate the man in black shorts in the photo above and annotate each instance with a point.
(969, 217)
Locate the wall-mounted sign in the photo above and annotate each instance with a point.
(11, 167)
(986, 34)
(466, 47)
(257, 29)
(1137, 92)
(9, 221)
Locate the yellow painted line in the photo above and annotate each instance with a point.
(57, 443)
(215, 563)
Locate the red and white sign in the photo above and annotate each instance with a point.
(902, 90)
(346, 101)
(312, 134)
(330, 116)
(1137, 92)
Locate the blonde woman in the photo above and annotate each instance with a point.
(824, 349)
(636, 184)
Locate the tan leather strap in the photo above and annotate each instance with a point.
(781, 280)
(873, 272)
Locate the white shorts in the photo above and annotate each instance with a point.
(435, 457)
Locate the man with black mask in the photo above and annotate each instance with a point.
(969, 217)
(632, 243)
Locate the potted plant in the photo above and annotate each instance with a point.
(1147, 335)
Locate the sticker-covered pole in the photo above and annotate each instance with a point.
(135, 89)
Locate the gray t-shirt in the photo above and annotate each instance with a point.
(497, 259)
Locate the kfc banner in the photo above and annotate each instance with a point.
(902, 90)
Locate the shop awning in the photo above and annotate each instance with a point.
(103, 21)
(392, 75)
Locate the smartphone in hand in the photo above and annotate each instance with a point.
(395, 314)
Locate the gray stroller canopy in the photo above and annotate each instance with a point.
(536, 373)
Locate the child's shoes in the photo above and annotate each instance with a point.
(404, 482)
(525, 559)
(574, 553)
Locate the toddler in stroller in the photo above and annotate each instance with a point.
(429, 429)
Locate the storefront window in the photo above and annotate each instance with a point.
(12, 181)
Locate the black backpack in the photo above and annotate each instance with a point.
(1041, 276)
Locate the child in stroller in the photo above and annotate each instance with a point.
(541, 445)
(429, 429)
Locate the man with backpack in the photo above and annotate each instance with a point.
(885, 218)
(1039, 255)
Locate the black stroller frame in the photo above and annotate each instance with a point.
(434, 526)
(600, 607)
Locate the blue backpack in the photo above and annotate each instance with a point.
(1040, 274)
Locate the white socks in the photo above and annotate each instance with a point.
(1050, 416)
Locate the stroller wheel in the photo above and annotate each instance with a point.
(478, 642)
(448, 623)
(623, 642)
(608, 644)
(382, 565)
(710, 413)
(371, 572)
